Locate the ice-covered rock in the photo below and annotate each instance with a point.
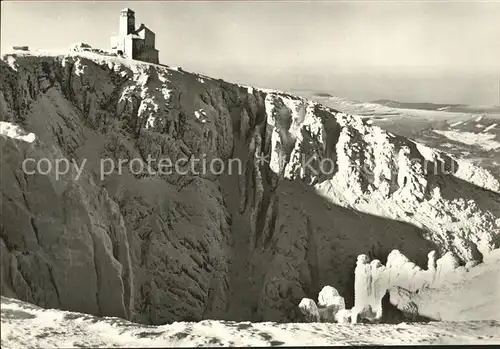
(431, 263)
(404, 281)
(330, 296)
(446, 264)
(330, 303)
(310, 310)
(343, 316)
(369, 288)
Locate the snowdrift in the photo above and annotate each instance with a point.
(25, 325)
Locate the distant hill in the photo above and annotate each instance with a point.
(322, 94)
(460, 108)
(416, 105)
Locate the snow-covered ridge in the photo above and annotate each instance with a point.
(247, 245)
(380, 173)
(473, 130)
(484, 140)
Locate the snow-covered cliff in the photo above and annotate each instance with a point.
(317, 189)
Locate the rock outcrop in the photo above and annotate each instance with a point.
(330, 296)
(316, 188)
(330, 307)
(310, 310)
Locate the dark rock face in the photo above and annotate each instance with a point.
(151, 252)
(241, 245)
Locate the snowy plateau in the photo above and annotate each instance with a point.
(404, 231)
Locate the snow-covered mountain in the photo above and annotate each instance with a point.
(241, 245)
(467, 132)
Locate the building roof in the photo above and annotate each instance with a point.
(126, 9)
(134, 36)
(139, 29)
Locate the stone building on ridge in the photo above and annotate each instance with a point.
(134, 43)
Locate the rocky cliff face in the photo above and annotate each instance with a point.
(316, 188)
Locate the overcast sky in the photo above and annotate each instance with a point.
(413, 51)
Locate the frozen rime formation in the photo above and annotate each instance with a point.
(330, 308)
(330, 296)
(401, 278)
(310, 310)
(370, 285)
(316, 189)
(343, 316)
(330, 303)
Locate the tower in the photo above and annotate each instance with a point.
(134, 43)
(127, 22)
